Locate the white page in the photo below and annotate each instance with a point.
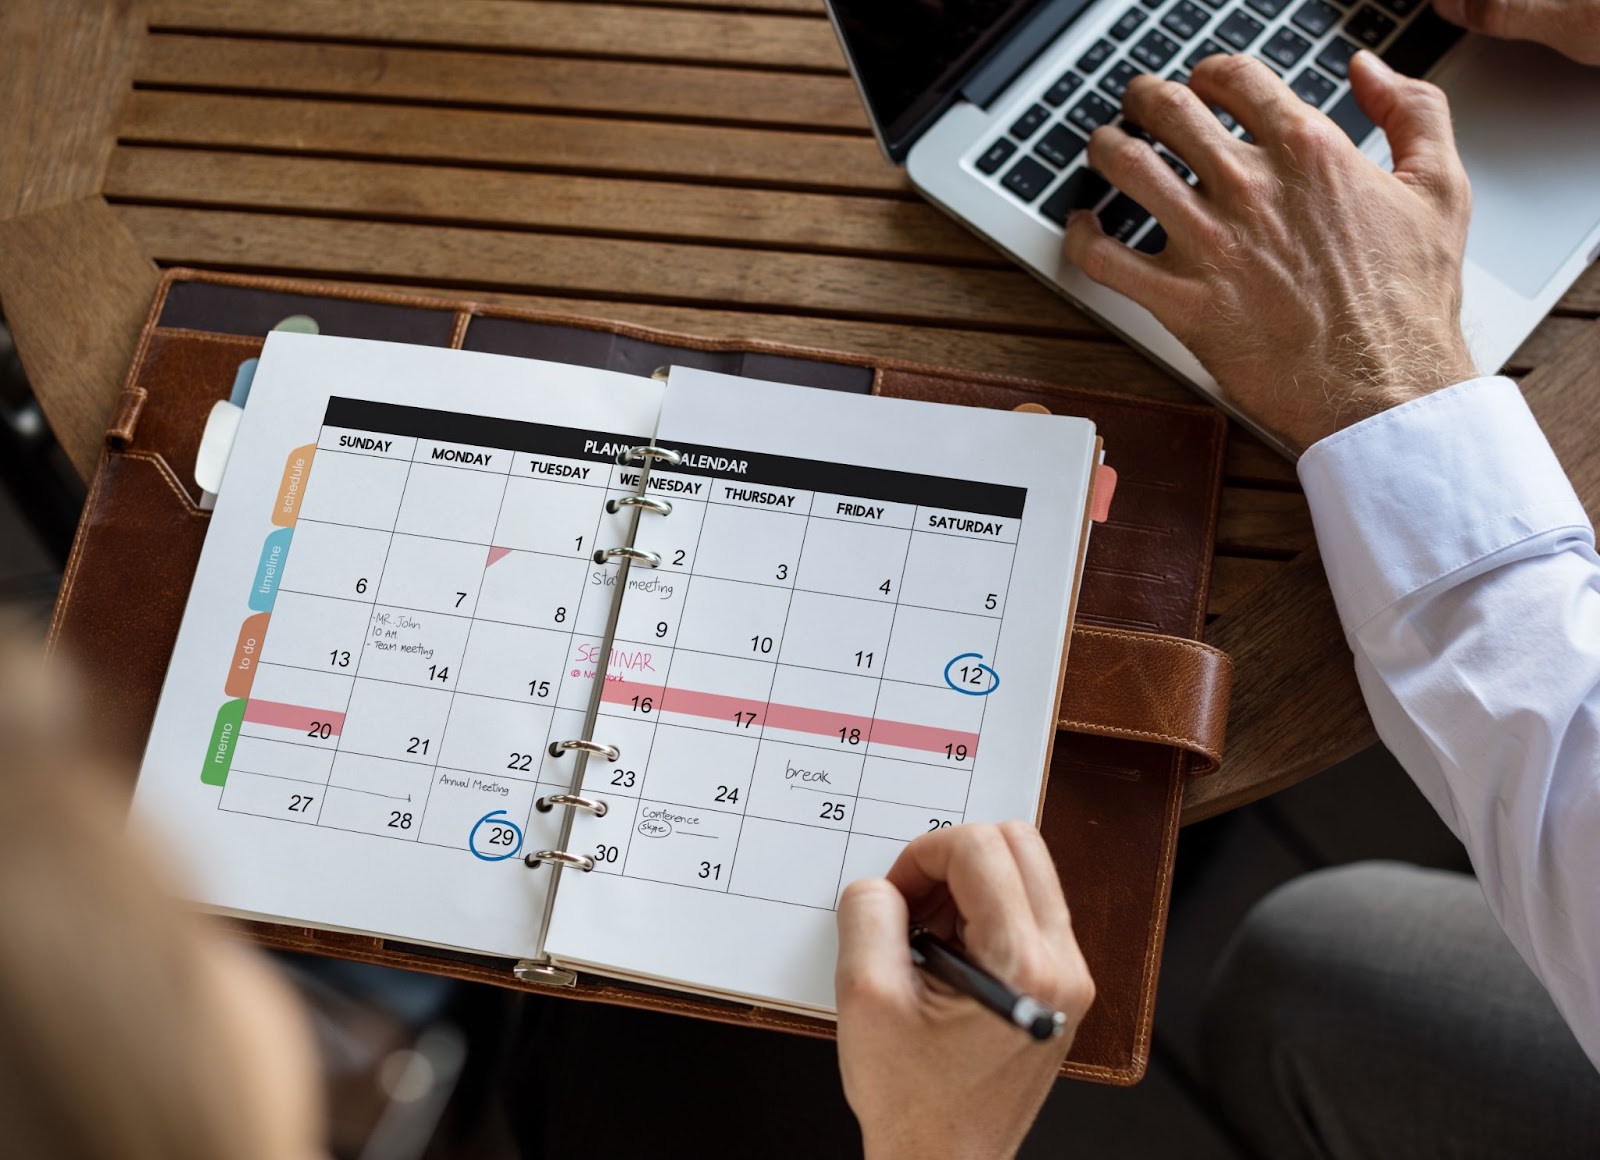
(785, 697)
(432, 606)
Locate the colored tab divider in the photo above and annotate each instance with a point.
(273, 554)
(224, 738)
(242, 674)
(293, 488)
(794, 718)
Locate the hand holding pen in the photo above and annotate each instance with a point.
(928, 1070)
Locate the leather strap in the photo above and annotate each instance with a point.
(125, 419)
(1145, 686)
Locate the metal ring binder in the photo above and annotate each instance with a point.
(648, 452)
(547, 803)
(560, 858)
(661, 507)
(582, 745)
(637, 555)
(540, 968)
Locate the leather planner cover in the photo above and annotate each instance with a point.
(1144, 706)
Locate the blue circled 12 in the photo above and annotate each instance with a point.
(993, 684)
(472, 838)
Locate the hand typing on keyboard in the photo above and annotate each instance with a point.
(1316, 288)
(1568, 26)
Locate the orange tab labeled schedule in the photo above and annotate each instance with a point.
(293, 487)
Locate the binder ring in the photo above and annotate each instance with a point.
(637, 555)
(599, 748)
(580, 861)
(660, 506)
(596, 807)
(649, 451)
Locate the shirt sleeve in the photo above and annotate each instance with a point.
(1465, 574)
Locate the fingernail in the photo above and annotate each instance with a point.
(1455, 11)
(1078, 215)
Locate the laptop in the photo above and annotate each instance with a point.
(989, 104)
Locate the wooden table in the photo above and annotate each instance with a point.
(699, 165)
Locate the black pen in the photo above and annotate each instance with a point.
(948, 965)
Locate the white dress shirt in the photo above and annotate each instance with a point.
(1465, 574)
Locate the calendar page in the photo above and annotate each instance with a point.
(395, 612)
(854, 636)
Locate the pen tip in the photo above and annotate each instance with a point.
(1048, 1026)
(1039, 1021)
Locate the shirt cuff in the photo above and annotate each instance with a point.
(1428, 488)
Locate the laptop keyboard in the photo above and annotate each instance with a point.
(1040, 160)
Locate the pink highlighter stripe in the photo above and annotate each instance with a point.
(292, 716)
(794, 718)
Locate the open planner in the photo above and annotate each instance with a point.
(607, 673)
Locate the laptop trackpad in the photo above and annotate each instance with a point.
(1528, 126)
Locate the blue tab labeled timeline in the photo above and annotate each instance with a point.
(270, 570)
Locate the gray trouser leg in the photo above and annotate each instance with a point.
(1377, 1011)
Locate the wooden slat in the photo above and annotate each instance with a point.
(1584, 297)
(1234, 578)
(1249, 460)
(1254, 521)
(661, 271)
(371, 190)
(1548, 337)
(1070, 363)
(1296, 706)
(606, 30)
(470, 136)
(76, 290)
(808, 7)
(652, 91)
(64, 66)
(1561, 394)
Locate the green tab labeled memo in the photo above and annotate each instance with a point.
(224, 738)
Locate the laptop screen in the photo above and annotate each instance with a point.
(909, 56)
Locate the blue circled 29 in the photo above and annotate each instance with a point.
(472, 838)
(995, 684)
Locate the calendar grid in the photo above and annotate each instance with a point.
(862, 597)
(594, 543)
(983, 712)
(666, 682)
(631, 640)
(755, 758)
(455, 686)
(524, 700)
(279, 777)
(877, 699)
(374, 588)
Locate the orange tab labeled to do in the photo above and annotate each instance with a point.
(242, 673)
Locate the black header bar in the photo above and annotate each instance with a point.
(988, 499)
(992, 499)
(476, 430)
